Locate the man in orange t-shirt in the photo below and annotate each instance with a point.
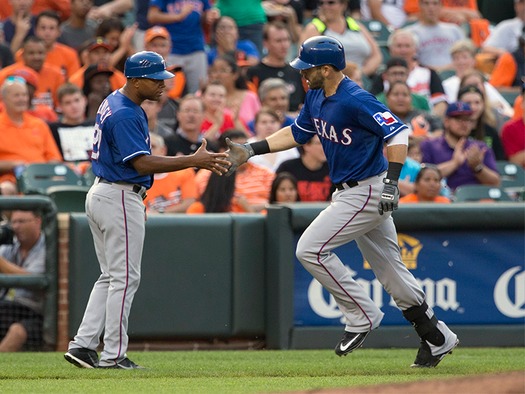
(47, 27)
(62, 7)
(98, 52)
(24, 139)
(172, 192)
(453, 11)
(50, 77)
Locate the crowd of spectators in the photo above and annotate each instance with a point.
(232, 71)
(451, 70)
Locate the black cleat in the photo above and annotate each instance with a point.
(82, 357)
(350, 342)
(125, 363)
(425, 359)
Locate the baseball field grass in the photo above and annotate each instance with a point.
(257, 371)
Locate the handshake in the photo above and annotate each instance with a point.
(238, 154)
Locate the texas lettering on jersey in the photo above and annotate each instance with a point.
(328, 131)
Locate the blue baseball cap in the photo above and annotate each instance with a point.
(459, 108)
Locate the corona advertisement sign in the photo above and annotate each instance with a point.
(470, 277)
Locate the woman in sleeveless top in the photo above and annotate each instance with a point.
(359, 45)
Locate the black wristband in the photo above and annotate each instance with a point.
(260, 147)
(394, 170)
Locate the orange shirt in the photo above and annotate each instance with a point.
(117, 79)
(61, 56)
(198, 207)
(171, 188)
(62, 7)
(252, 181)
(34, 142)
(413, 198)
(518, 108)
(412, 6)
(49, 80)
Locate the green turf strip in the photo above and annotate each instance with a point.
(245, 371)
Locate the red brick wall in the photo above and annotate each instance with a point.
(63, 274)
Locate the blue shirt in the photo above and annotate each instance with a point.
(121, 134)
(247, 47)
(352, 126)
(187, 35)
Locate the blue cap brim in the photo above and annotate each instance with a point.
(300, 65)
(160, 75)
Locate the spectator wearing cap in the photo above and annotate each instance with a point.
(157, 39)
(78, 29)
(41, 111)
(49, 77)
(505, 36)
(97, 86)
(184, 22)
(98, 52)
(47, 27)
(24, 138)
(397, 71)
(226, 42)
(513, 135)
(484, 127)
(462, 161)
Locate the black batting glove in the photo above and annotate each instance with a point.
(389, 196)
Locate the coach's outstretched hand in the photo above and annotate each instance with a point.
(216, 162)
(237, 154)
(389, 197)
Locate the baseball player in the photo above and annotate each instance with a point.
(352, 127)
(123, 165)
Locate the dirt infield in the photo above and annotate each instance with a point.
(507, 383)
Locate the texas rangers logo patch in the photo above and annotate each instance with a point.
(384, 118)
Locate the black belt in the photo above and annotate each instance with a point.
(140, 190)
(346, 185)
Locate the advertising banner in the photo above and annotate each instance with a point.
(474, 277)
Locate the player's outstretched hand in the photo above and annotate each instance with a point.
(237, 154)
(389, 197)
(216, 162)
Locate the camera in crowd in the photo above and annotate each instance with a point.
(6, 234)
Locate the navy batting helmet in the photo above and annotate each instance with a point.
(146, 64)
(318, 51)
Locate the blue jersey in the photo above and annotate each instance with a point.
(352, 126)
(121, 134)
(187, 35)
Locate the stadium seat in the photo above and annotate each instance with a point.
(36, 178)
(69, 198)
(89, 177)
(512, 178)
(480, 193)
(378, 30)
(509, 94)
(445, 74)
